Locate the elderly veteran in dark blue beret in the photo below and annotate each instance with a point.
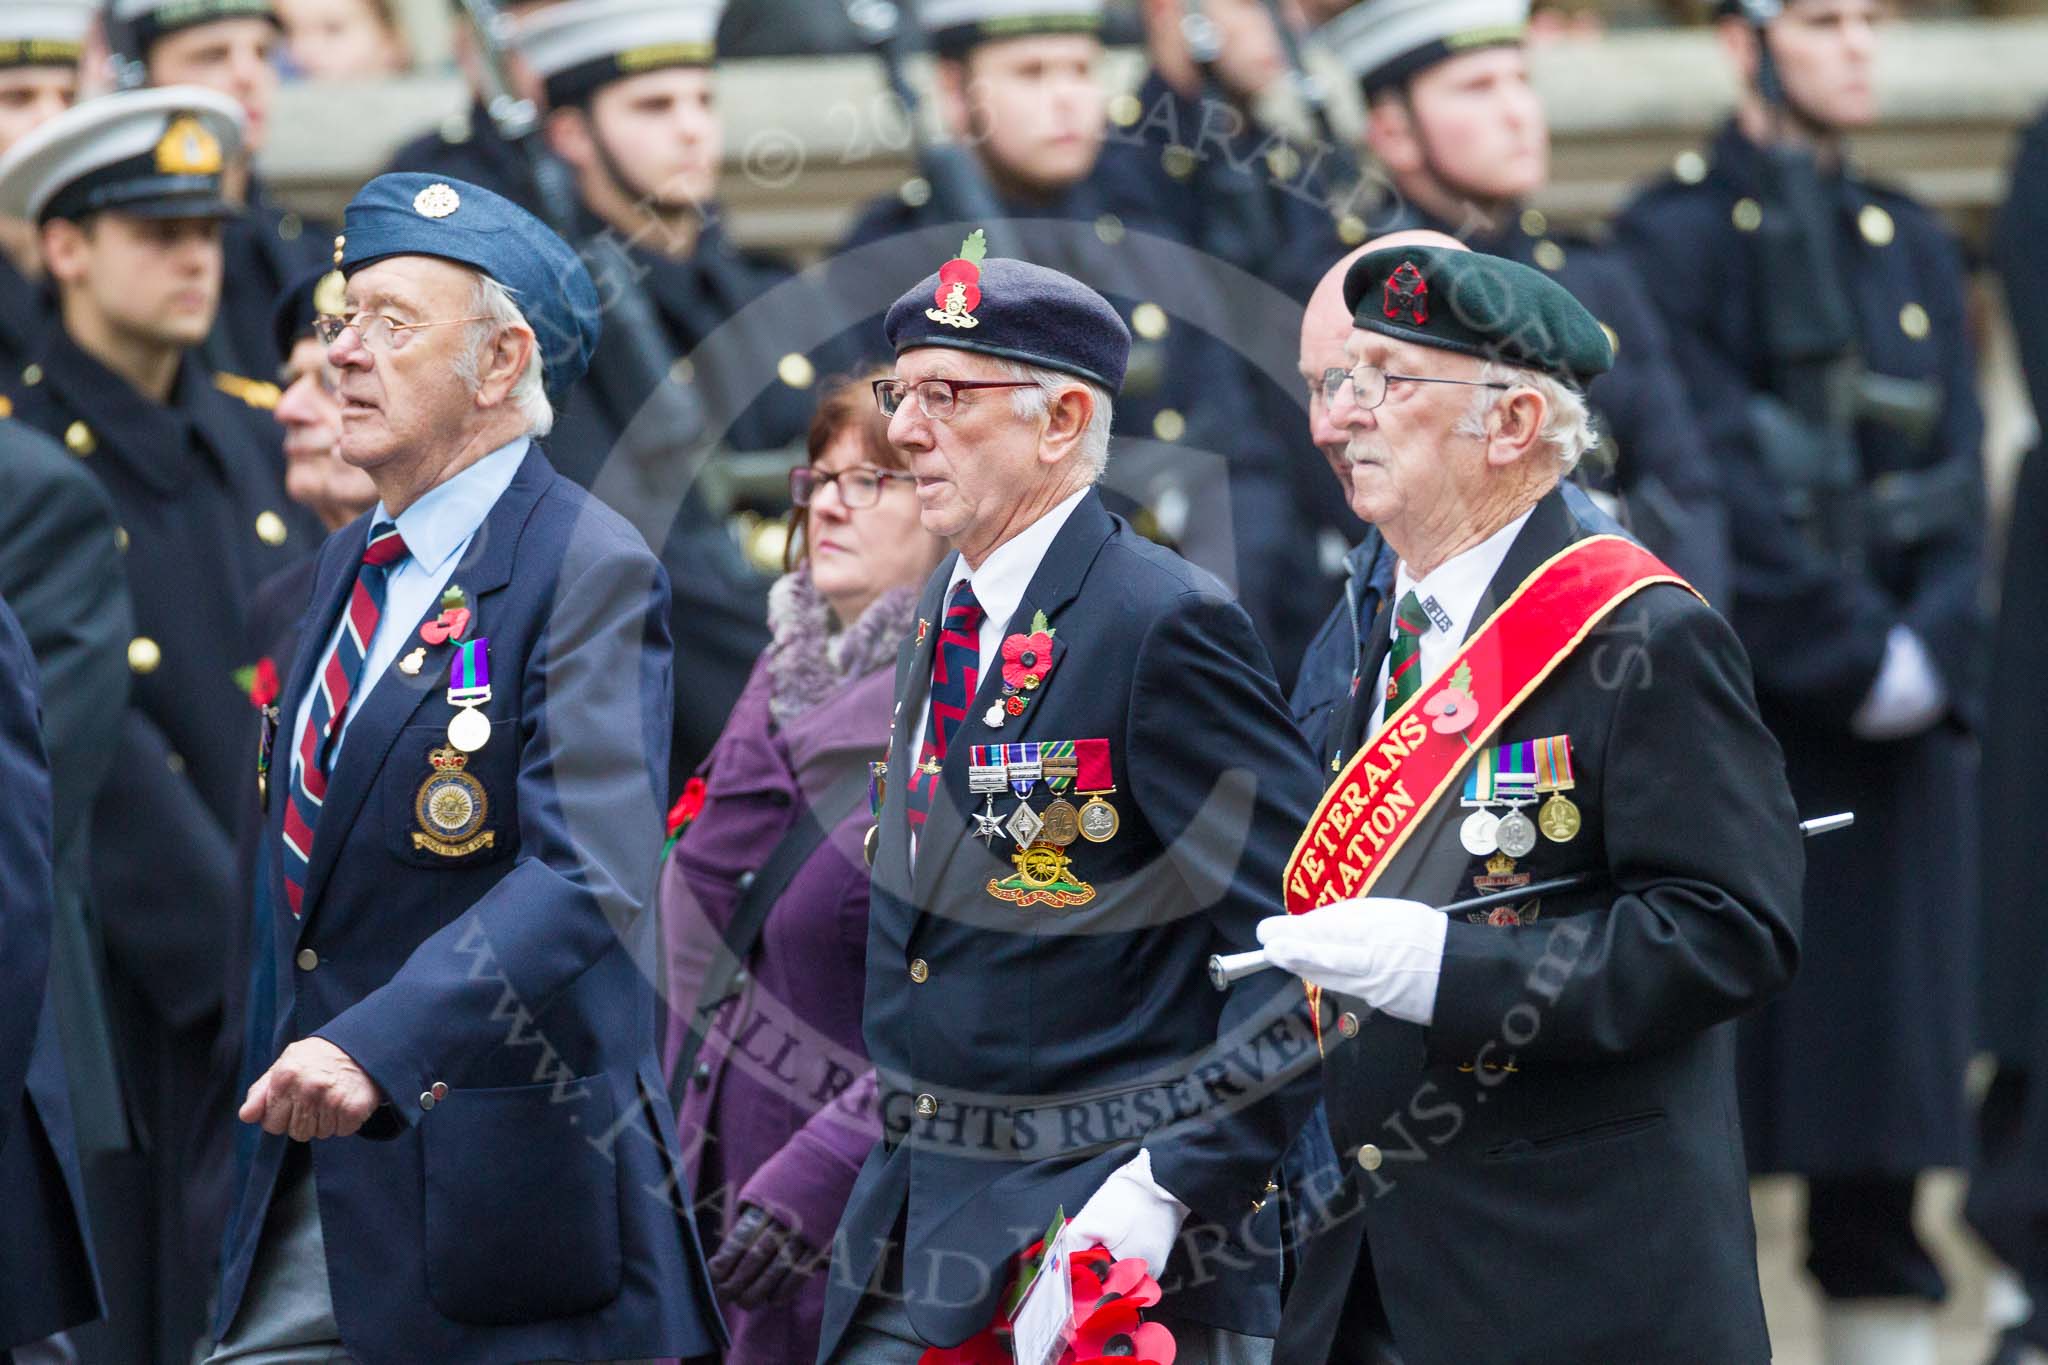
(467, 1152)
(1536, 1093)
(1092, 785)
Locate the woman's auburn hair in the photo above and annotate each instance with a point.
(845, 404)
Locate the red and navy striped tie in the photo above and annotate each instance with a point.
(956, 666)
(336, 682)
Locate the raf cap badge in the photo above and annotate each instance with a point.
(436, 201)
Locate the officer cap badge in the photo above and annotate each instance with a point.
(188, 147)
(1407, 293)
(959, 292)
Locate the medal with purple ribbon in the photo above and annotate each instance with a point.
(469, 686)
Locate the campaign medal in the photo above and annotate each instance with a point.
(1559, 818)
(1514, 785)
(1024, 825)
(1062, 823)
(1095, 779)
(1059, 767)
(987, 776)
(987, 825)
(1516, 835)
(450, 808)
(469, 687)
(1480, 834)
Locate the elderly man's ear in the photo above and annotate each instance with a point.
(1514, 429)
(501, 365)
(1066, 421)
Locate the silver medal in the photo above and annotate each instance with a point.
(1516, 835)
(1480, 833)
(470, 730)
(1024, 825)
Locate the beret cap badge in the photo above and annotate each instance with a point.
(188, 147)
(959, 292)
(1407, 292)
(436, 201)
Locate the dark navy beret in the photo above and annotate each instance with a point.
(410, 214)
(1017, 311)
(1479, 305)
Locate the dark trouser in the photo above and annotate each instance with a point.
(1861, 1243)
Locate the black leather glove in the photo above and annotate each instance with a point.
(761, 1261)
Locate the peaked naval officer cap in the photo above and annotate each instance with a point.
(579, 47)
(1385, 42)
(954, 27)
(1016, 311)
(44, 32)
(1480, 305)
(409, 214)
(147, 153)
(137, 24)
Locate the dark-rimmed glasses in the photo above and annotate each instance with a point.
(376, 330)
(860, 486)
(936, 398)
(1369, 384)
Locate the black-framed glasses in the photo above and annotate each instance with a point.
(377, 331)
(936, 398)
(1369, 384)
(860, 486)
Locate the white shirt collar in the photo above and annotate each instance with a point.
(1000, 582)
(1457, 584)
(447, 515)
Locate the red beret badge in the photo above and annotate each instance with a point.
(959, 292)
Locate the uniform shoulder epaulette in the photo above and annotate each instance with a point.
(254, 392)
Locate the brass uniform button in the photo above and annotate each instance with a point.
(1283, 162)
(1126, 109)
(796, 370)
(270, 528)
(1169, 425)
(79, 440)
(32, 375)
(1149, 321)
(121, 539)
(1914, 322)
(144, 655)
(1876, 225)
(1347, 1024)
(1690, 168)
(1748, 215)
(1351, 230)
(1109, 229)
(1550, 256)
(427, 1100)
(176, 763)
(1535, 223)
(920, 970)
(916, 191)
(307, 959)
(682, 372)
(1370, 1157)
(927, 1106)
(6, 406)
(290, 227)
(1179, 161)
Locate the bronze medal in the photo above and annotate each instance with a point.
(1062, 823)
(1559, 819)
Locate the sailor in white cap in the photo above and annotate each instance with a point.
(41, 44)
(127, 196)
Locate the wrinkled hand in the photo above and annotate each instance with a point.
(761, 1261)
(1132, 1215)
(1384, 951)
(313, 1090)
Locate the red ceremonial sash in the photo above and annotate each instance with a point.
(1399, 776)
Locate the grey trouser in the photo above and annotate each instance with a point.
(287, 1312)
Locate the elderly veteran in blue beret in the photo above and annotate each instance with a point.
(1536, 1093)
(1091, 786)
(467, 1154)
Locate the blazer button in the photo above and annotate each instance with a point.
(702, 1075)
(307, 959)
(920, 970)
(439, 1090)
(927, 1106)
(427, 1100)
(1370, 1157)
(1347, 1024)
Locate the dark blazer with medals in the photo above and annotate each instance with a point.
(1047, 1045)
(1567, 1123)
(513, 1200)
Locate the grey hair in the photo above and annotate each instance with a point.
(1030, 403)
(497, 310)
(1567, 422)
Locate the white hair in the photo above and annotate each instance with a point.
(497, 310)
(1567, 422)
(1034, 402)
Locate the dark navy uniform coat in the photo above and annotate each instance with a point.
(1568, 1119)
(47, 1280)
(267, 249)
(1050, 1044)
(516, 1197)
(1858, 1069)
(469, 147)
(24, 315)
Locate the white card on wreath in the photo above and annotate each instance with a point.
(1038, 1331)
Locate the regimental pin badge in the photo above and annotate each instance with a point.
(1507, 916)
(451, 807)
(959, 292)
(1045, 877)
(412, 663)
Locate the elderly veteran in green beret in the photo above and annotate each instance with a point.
(1534, 1095)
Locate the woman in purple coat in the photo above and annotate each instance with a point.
(765, 1029)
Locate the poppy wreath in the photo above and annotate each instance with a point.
(1108, 1326)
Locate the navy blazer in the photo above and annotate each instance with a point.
(523, 1203)
(47, 1280)
(1052, 1044)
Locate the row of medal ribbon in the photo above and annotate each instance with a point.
(1513, 776)
(1080, 766)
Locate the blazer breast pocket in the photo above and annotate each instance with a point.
(522, 1210)
(447, 808)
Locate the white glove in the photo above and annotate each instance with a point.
(1384, 951)
(1908, 695)
(1132, 1215)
